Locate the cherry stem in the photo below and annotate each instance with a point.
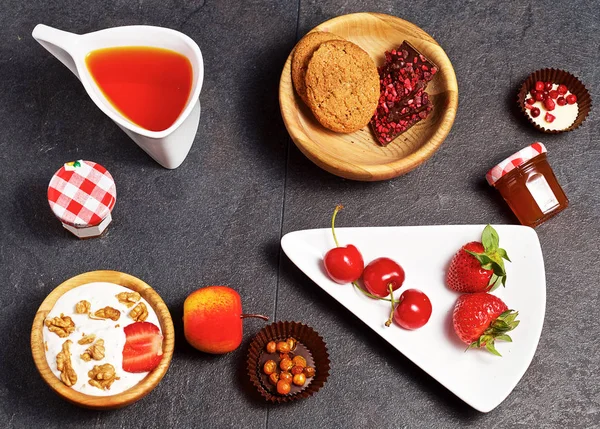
(369, 294)
(389, 321)
(258, 316)
(335, 212)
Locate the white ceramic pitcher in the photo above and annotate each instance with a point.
(169, 147)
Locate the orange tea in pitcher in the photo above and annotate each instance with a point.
(148, 86)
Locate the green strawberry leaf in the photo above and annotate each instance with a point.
(490, 239)
(503, 254)
(490, 348)
(495, 282)
(483, 259)
(504, 337)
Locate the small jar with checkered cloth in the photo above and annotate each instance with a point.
(82, 195)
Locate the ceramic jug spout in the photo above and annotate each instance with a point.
(59, 43)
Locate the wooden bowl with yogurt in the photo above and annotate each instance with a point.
(98, 288)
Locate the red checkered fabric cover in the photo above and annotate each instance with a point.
(82, 193)
(513, 161)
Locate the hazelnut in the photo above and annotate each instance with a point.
(284, 356)
(285, 376)
(283, 387)
(271, 347)
(269, 367)
(297, 369)
(285, 364)
(299, 379)
(309, 371)
(283, 347)
(291, 343)
(274, 378)
(299, 361)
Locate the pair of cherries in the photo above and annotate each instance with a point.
(381, 277)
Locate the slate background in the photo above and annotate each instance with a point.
(219, 217)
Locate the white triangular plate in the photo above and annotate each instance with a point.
(477, 377)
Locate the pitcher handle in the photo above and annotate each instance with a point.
(59, 43)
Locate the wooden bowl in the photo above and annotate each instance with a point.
(130, 395)
(357, 156)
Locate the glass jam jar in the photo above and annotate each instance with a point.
(528, 184)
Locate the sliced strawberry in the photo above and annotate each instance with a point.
(143, 347)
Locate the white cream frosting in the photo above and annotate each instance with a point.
(99, 295)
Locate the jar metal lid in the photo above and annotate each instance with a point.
(515, 160)
(82, 194)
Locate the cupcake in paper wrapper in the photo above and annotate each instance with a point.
(309, 345)
(567, 117)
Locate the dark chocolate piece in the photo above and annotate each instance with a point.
(403, 102)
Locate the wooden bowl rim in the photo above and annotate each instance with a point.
(136, 392)
(372, 172)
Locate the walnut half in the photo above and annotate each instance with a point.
(139, 313)
(106, 313)
(62, 326)
(82, 307)
(63, 364)
(128, 298)
(87, 339)
(102, 376)
(95, 351)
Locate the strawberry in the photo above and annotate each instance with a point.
(478, 266)
(480, 318)
(143, 347)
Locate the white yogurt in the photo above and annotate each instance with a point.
(565, 115)
(99, 295)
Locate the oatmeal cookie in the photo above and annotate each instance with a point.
(342, 86)
(302, 55)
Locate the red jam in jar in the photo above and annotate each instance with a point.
(528, 184)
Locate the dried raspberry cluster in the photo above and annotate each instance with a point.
(403, 101)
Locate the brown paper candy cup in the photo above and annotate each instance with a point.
(314, 350)
(584, 101)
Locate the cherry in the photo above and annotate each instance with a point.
(539, 85)
(381, 275)
(548, 86)
(562, 89)
(343, 264)
(553, 94)
(535, 112)
(549, 117)
(540, 96)
(413, 310)
(530, 101)
(549, 104)
(571, 99)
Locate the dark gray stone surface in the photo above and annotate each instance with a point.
(219, 217)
